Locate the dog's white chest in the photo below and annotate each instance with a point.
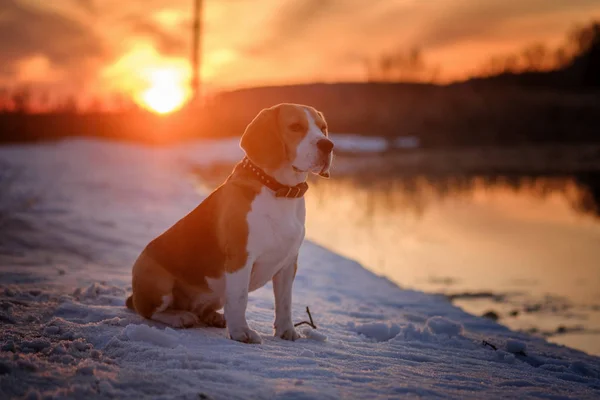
(275, 233)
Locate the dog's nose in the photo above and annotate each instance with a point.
(325, 145)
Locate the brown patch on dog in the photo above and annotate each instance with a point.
(262, 140)
(150, 283)
(209, 240)
(206, 243)
(320, 122)
(319, 119)
(294, 127)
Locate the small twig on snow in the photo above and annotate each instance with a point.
(486, 343)
(311, 323)
(519, 353)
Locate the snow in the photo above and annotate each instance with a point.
(348, 142)
(379, 331)
(314, 335)
(353, 143)
(440, 325)
(515, 346)
(65, 263)
(149, 334)
(406, 142)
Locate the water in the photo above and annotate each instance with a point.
(524, 248)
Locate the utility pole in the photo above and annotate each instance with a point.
(197, 50)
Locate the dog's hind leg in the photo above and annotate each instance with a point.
(153, 294)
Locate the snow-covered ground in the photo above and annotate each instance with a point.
(358, 144)
(77, 214)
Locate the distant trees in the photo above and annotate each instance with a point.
(68, 106)
(584, 38)
(409, 65)
(23, 99)
(538, 57)
(401, 66)
(4, 96)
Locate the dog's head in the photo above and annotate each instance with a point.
(289, 136)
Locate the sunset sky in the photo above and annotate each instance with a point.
(105, 46)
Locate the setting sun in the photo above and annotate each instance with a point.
(166, 92)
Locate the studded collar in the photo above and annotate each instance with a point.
(281, 190)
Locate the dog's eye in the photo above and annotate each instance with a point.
(296, 127)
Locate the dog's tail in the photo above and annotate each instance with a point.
(129, 303)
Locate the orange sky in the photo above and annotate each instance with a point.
(102, 46)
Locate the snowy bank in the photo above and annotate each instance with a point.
(65, 264)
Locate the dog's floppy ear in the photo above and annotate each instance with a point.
(262, 140)
(325, 171)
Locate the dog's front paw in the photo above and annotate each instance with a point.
(287, 333)
(245, 335)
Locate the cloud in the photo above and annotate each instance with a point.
(295, 16)
(27, 32)
(269, 41)
(88, 6)
(427, 24)
(166, 42)
(290, 22)
(339, 35)
(450, 23)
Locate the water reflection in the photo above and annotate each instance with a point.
(531, 242)
(415, 193)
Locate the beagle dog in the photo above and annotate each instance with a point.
(244, 234)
